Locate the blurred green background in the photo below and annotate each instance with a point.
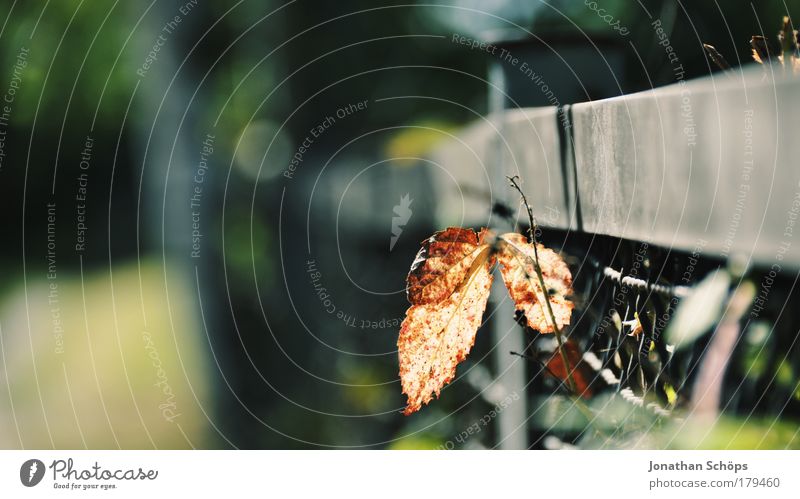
(142, 340)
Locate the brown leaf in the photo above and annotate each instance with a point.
(790, 46)
(437, 335)
(763, 51)
(448, 287)
(517, 258)
(442, 263)
(716, 57)
(787, 38)
(634, 325)
(582, 373)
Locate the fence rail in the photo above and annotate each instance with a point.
(712, 163)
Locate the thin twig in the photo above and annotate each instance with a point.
(544, 367)
(532, 239)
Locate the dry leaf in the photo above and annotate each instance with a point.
(762, 51)
(516, 259)
(448, 287)
(789, 46)
(634, 325)
(437, 335)
(716, 57)
(582, 373)
(442, 263)
(787, 38)
(786, 53)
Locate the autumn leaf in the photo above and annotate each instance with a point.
(634, 325)
(442, 263)
(788, 39)
(517, 257)
(582, 373)
(448, 287)
(787, 53)
(716, 57)
(762, 49)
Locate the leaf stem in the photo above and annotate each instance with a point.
(532, 238)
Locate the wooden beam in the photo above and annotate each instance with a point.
(712, 163)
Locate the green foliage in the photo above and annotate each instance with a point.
(76, 44)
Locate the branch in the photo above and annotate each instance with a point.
(532, 238)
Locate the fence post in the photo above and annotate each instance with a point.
(506, 334)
